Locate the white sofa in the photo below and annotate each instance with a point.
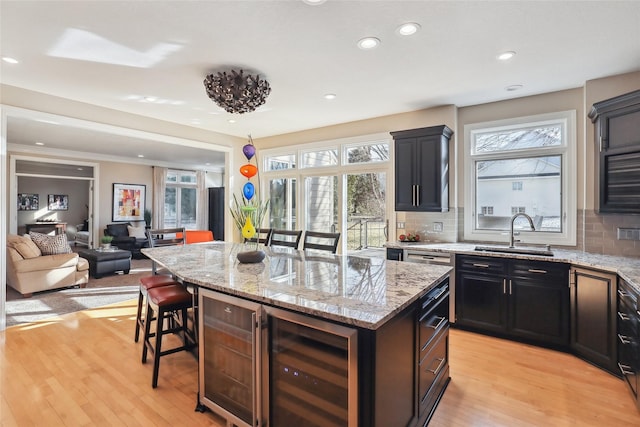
(29, 271)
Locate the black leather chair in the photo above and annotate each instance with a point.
(122, 240)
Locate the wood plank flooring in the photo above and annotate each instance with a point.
(84, 369)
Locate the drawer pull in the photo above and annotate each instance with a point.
(624, 339)
(436, 371)
(481, 265)
(622, 293)
(623, 316)
(437, 325)
(625, 369)
(535, 270)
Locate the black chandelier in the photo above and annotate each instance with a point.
(237, 92)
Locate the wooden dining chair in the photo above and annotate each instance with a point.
(263, 235)
(321, 241)
(289, 238)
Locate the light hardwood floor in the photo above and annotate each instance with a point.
(84, 370)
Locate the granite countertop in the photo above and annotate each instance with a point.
(626, 267)
(362, 292)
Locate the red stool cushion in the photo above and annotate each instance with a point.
(169, 295)
(149, 282)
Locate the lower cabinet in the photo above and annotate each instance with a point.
(260, 365)
(522, 299)
(593, 317)
(628, 337)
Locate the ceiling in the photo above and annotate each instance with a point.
(150, 58)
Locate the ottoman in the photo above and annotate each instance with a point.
(103, 262)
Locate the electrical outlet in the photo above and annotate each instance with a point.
(400, 225)
(438, 226)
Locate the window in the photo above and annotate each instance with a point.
(534, 157)
(487, 210)
(180, 199)
(343, 188)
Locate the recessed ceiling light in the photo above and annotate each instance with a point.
(513, 87)
(39, 143)
(150, 98)
(231, 121)
(9, 60)
(141, 155)
(80, 169)
(330, 96)
(368, 43)
(505, 56)
(408, 29)
(314, 2)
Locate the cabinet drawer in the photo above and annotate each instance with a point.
(626, 294)
(478, 264)
(434, 363)
(555, 273)
(432, 322)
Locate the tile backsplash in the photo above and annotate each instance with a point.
(596, 233)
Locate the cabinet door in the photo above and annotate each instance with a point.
(406, 182)
(539, 310)
(432, 193)
(593, 317)
(481, 302)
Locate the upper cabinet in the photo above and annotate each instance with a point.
(617, 134)
(422, 169)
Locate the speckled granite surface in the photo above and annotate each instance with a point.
(627, 268)
(363, 292)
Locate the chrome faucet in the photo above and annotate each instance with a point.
(512, 240)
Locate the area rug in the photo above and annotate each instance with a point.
(98, 293)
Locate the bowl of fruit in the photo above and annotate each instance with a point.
(409, 237)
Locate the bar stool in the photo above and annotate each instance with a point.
(170, 303)
(146, 283)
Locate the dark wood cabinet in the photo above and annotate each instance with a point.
(526, 300)
(628, 337)
(395, 254)
(617, 134)
(593, 317)
(422, 169)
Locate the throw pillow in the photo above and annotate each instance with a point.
(51, 245)
(137, 232)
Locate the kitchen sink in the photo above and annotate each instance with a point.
(516, 250)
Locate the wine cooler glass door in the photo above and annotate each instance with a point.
(228, 357)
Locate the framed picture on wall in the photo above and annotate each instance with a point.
(58, 202)
(28, 202)
(128, 202)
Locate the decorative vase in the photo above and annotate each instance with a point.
(105, 246)
(250, 257)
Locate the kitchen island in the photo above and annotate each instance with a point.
(315, 339)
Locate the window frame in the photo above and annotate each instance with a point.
(341, 170)
(179, 185)
(567, 150)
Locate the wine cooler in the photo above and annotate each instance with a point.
(310, 371)
(229, 364)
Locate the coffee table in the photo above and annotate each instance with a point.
(106, 261)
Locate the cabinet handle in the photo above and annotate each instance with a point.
(436, 371)
(481, 265)
(510, 287)
(504, 286)
(623, 316)
(600, 142)
(622, 293)
(535, 270)
(414, 195)
(437, 325)
(418, 195)
(624, 339)
(626, 370)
